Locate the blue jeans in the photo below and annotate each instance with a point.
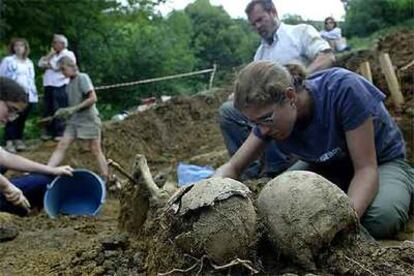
(33, 187)
(55, 98)
(235, 128)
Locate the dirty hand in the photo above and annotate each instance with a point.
(16, 197)
(63, 170)
(65, 113)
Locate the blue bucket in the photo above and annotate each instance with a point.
(80, 194)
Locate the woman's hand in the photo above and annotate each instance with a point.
(16, 197)
(62, 170)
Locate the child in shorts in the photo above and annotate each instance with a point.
(82, 116)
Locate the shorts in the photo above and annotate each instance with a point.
(86, 132)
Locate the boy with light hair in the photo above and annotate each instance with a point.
(82, 116)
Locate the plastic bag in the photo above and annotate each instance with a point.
(188, 173)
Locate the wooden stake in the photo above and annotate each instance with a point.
(392, 80)
(365, 70)
(210, 84)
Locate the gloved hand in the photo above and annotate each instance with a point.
(15, 196)
(66, 112)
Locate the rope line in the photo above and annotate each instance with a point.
(104, 87)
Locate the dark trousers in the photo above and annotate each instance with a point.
(14, 130)
(33, 187)
(55, 98)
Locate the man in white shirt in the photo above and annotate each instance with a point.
(54, 83)
(284, 44)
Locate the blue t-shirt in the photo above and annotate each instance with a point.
(342, 100)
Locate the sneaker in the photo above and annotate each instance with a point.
(46, 137)
(10, 147)
(20, 145)
(57, 138)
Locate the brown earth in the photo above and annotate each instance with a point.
(184, 129)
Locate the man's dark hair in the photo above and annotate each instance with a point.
(11, 91)
(267, 6)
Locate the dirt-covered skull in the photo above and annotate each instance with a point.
(217, 218)
(303, 212)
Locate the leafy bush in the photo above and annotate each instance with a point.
(364, 17)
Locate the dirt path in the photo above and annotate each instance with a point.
(43, 244)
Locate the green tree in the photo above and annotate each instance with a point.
(364, 17)
(217, 38)
(292, 19)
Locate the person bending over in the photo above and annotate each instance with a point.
(336, 124)
(20, 195)
(82, 117)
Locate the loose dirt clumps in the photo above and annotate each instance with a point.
(399, 46)
(168, 133)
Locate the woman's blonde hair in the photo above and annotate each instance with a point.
(25, 43)
(265, 82)
(68, 62)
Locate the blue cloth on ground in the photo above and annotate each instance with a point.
(33, 187)
(188, 173)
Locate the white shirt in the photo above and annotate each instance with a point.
(21, 71)
(53, 76)
(333, 34)
(291, 43)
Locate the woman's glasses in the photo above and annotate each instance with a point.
(12, 112)
(266, 120)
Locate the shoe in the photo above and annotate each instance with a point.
(20, 145)
(10, 147)
(46, 137)
(57, 138)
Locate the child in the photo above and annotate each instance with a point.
(82, 116)
(336, 123)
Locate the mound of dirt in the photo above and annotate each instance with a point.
(160, 133)
(399, 45)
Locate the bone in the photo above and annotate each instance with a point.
(158, 196)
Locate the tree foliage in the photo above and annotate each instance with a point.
(115, 43)
(364, 17)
